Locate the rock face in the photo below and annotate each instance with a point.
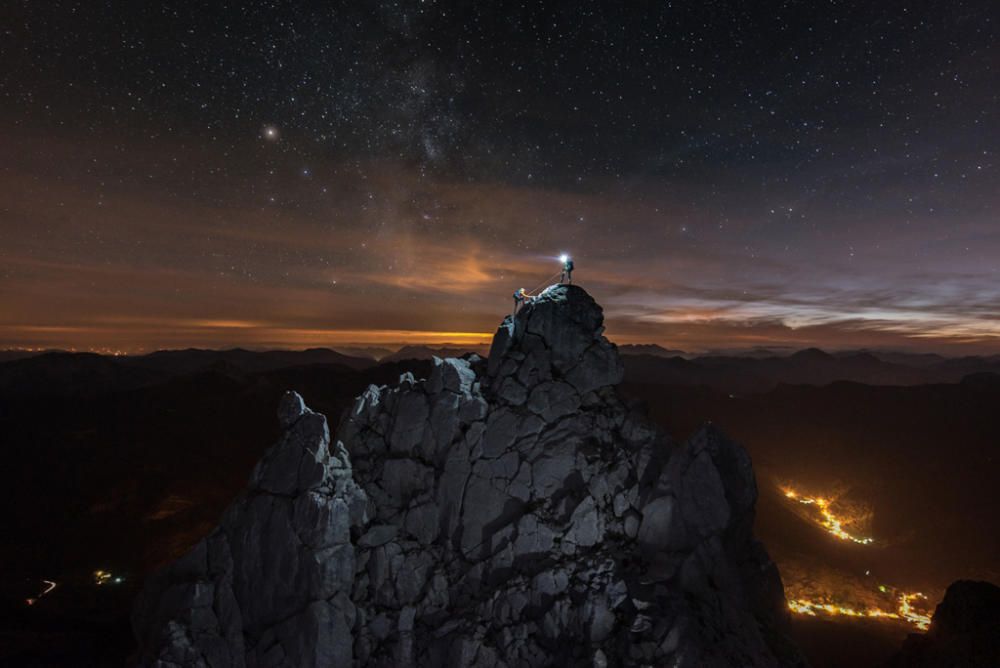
(509, 513)
(964, 631)
(279, 569)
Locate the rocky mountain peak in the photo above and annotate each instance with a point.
(515, 512)
(555, 344)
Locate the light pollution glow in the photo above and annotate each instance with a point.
(397, 257)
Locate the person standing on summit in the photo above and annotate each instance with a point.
(567, 270)
(520, 297)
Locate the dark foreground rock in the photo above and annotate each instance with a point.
(509, 513)
(964, 631)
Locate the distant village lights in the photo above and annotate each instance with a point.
(102, 577)
(48, 586)
(905, 611)
(833, 524)
(99, 577)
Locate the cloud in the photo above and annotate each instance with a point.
(138, 254)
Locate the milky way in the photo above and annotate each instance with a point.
(287, 174)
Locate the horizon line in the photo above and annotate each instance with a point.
(778, 350)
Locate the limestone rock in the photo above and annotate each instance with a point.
(271, 585)
(509, 513)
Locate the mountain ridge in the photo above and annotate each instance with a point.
(501, 513)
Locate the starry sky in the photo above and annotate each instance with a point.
(725, 174)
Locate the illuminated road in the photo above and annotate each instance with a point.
(904, 612)
(833, 524)
(824, 594)
(49, 586)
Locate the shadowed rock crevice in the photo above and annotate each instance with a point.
(515, 512)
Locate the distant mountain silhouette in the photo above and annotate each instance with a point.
(9, 355)
(649, 349)
(61, 373)
(897, 357)
(811, 366)
(428, 352)
(193, 359)
(755, 351)
(64, 373)
(370, 352)
(73, 373)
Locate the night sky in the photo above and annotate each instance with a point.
(725, 174)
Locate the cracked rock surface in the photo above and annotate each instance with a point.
(515, 512)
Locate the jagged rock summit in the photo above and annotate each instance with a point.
(515, 512)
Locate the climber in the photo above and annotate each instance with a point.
(567, 270)
(521, 297)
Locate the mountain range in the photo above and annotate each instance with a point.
(58, 372)
(122, 463)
